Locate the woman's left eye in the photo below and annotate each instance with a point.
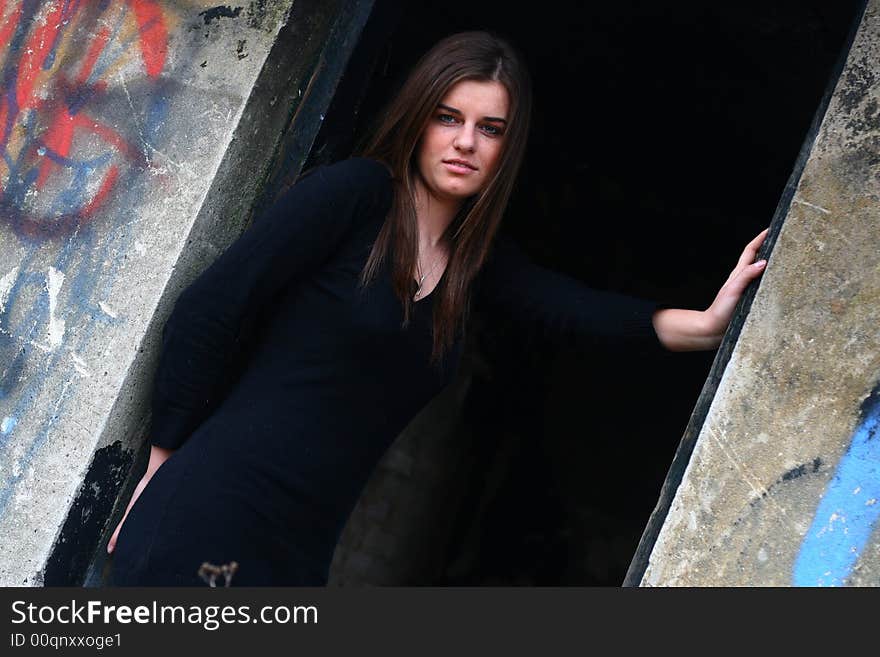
(492, 130)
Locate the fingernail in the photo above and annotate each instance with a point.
(761, 263)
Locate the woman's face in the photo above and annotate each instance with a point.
(461, 145)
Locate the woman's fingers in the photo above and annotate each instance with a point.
(747, 257)
(751, 250)
(752, 247)
(721, 310)
(759, 238)
(745, 276)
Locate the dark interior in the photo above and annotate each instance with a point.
(663, 135)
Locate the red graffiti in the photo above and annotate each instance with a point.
(38, 153)
(154, 36)
(59, 136)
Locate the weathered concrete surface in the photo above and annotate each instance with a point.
(134, 141)
(783, 486)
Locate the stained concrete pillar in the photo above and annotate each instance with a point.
(135, 137)
(782, 487)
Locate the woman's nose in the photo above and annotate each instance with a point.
(464, 139)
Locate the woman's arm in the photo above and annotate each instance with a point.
(295, 236)
(541, 301)
(560, 306)
(695, 330)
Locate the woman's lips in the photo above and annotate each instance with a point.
(459, 166)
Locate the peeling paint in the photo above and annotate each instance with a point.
(107, 310)
(7, 425)
(216, 13)
(6, 284)
(80, 365)
(54, 281)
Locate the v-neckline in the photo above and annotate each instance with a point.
(416, 302)
(431, 293)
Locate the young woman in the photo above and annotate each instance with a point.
(363, 274)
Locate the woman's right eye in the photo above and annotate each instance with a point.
(446, 118)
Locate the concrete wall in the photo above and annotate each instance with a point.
(135, 136)
(783, 485)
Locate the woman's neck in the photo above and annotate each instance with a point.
(433, 216)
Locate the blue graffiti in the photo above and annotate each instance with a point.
(848, 512)
(81, 254)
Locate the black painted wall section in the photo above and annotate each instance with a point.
(74, 551)
(339, 129)
(331, 54)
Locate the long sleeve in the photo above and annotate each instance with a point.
(294, 237)
(554, 305)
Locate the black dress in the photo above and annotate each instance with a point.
(268, 475)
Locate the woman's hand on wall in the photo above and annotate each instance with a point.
(158, 456)
(694, 330)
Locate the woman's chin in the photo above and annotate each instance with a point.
(459, 193)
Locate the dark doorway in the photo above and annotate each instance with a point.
(664, 134)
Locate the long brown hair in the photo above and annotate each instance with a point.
(479, 56)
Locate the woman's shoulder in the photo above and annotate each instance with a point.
(356, 186)
(353, 173)
(364, 166)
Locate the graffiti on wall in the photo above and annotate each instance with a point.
(84, 108)
(59, 162)
(849, 509)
